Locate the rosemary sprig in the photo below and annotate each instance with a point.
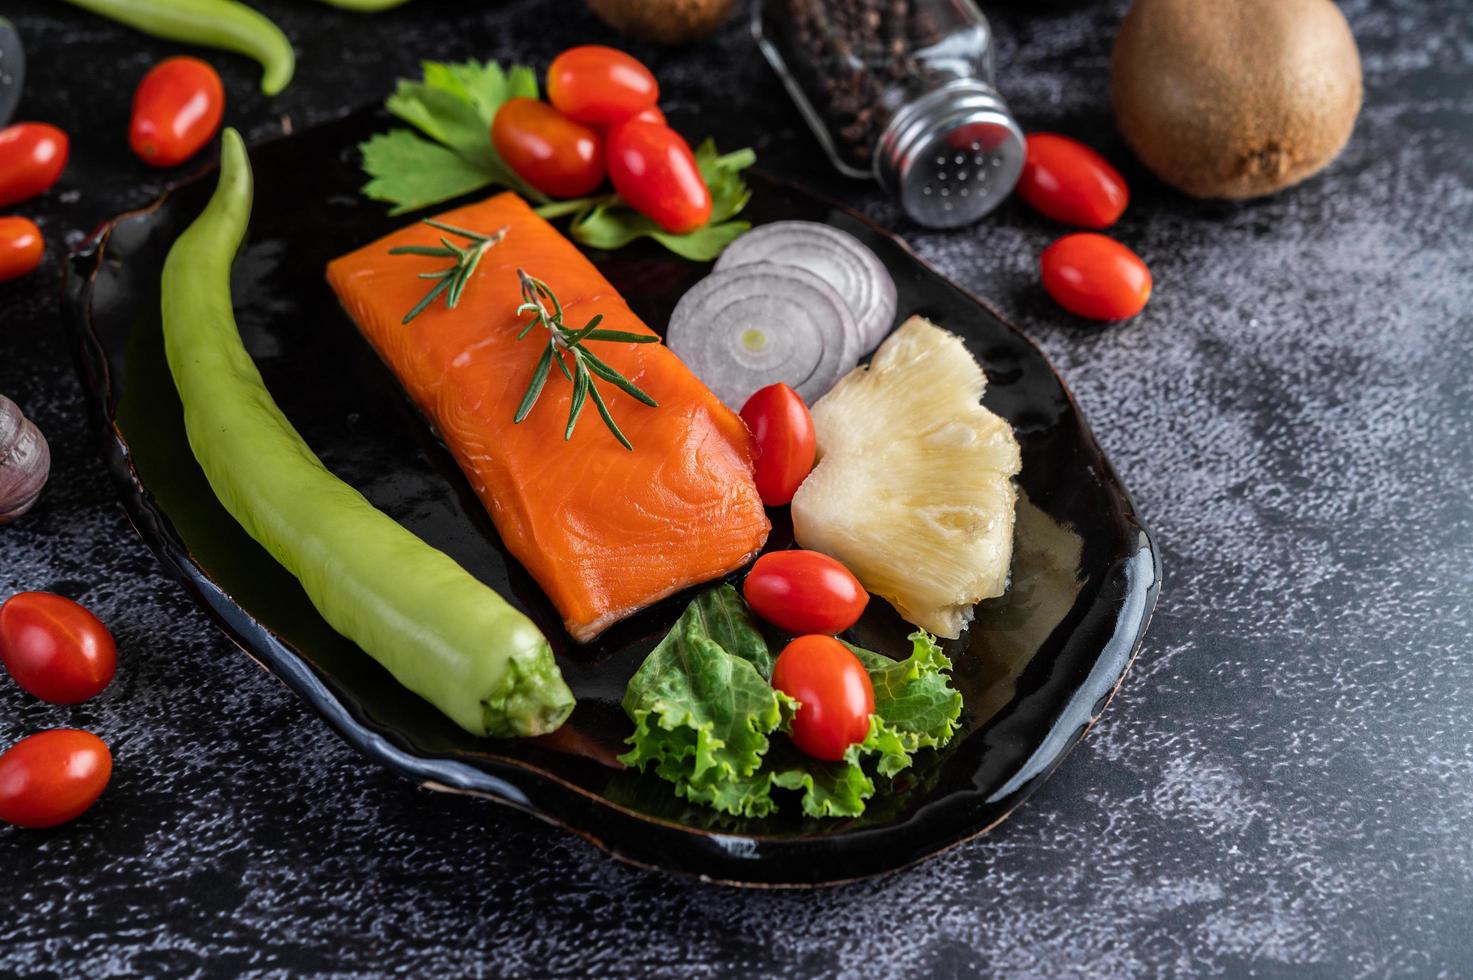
(564, 345)
(453, 278)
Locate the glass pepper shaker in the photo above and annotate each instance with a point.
(900, 90)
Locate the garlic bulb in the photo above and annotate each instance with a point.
(25, 462)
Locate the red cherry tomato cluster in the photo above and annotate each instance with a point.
(59, 652)
(1090, 275)
(603, 121)
(177, 109)
(32, 157)
(804, 592)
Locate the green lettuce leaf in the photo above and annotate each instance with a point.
(914, 697)
(703, 710)
(707, 720)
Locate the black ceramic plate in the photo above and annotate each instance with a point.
(1035, 670)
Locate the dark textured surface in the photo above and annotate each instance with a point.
(1281, 786)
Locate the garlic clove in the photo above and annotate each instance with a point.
(25, 462)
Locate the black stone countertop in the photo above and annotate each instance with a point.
(1284, 785)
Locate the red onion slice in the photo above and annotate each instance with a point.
(836, 257)
(746, 328)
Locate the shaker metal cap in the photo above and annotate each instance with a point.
(952, 155)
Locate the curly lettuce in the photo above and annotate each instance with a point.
(707, 719)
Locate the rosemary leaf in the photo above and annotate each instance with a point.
(580, 398)
(575, 337)
(539, 378)
(603, 411)
(622, 337)
(613, 377)
(419, 307)
(430, 250)
(474, 236)
(557, 306)
(464, 276)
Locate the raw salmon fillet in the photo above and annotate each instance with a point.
(605, 531)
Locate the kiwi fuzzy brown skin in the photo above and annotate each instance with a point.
(1235, 99)
(663, 21)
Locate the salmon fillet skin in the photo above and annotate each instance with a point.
(604, 530)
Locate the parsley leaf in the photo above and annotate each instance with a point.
(410, 172)
(453, 106)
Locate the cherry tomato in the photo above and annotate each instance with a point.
(655, 172)
(783, 441)
(559, 157)
(32, 157)
(600, 85)
(1065, 180)
(654, 114)
(834, 691)
(52, 777)
(54, 648)
(21, 247)
(176, 111)
(804, 592)
(1095, 277)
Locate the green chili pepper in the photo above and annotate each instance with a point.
(441, 632)
(209, 23)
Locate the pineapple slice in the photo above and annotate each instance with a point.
(913, 490)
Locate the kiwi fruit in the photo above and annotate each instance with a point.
(1235, 99)
(663, 21)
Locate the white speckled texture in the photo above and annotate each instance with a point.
(1280, 788)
